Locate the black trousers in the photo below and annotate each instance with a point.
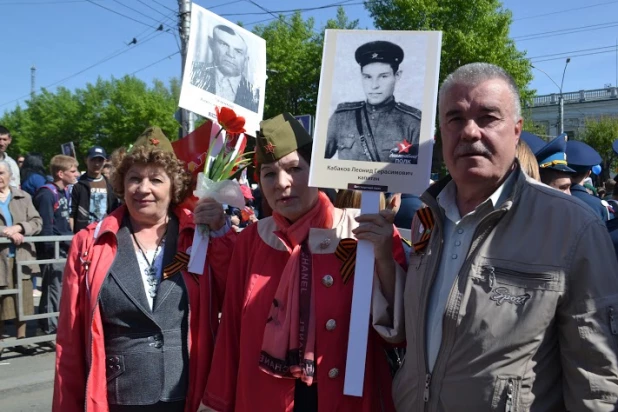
(305, 397)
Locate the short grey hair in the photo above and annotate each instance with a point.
(7, 166)
(473, 74)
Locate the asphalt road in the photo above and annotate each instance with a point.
(26, 382)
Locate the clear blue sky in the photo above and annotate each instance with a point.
(64, 37)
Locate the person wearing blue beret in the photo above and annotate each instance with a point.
(553, 166)
(582, 158)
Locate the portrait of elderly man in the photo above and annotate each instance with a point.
(511, 298)
(225, 74)
(378, 129)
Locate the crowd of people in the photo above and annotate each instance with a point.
(502, 295)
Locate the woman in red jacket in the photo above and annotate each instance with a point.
(136, 330)
(283, 338)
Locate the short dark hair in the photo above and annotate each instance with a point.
(394, 66)
(4, 130)
(228, 30)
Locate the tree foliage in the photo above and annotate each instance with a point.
(599, 134)
(294, 56)
(473, 31)
(109, 113)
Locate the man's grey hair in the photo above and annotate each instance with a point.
(473, 74)
(7, 167)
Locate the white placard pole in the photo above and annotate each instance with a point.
(361, 305)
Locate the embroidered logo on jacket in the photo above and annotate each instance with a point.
(501, 295)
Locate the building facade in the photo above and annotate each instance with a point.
(544, 110)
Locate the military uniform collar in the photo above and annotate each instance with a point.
(386, 105)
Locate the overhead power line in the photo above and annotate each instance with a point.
(576, 55)
(99, 62)
(295, 10)
(120, 14)
(569, 53)
(560, 32)
(164, 6)
(565, 11)
(135, 10)
(157, 62)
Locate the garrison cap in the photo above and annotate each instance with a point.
(553, 155)
(153, 138)
(379, 52)
(280, 136)
(581, 157)
(534, 142)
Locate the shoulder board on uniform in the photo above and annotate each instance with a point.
(342, 107)
(409, 110)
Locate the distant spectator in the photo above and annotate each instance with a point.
(107, 169)
(610, 184)
(33, 173)
(92, 197)
(5, 141)
(18, 218)
(527, 160)
(20, 161)
(52, 203)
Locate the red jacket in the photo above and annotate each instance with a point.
(236, 384)
(80, 383)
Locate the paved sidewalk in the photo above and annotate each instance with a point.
(26, 382)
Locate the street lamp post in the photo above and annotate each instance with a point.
(560, 97)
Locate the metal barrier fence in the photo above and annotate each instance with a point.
(20, 293)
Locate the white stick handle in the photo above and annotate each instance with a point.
(361, 305)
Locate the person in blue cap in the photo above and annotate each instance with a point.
(378, 129)
(581, 158)
(612, 225)
(553, 166)
(534, 142)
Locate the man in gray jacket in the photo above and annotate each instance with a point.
(511, 300)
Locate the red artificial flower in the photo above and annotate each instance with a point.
(154, 141)
(229, 121)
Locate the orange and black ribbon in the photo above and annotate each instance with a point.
(346, 253)
(180, 262)
(428, 222)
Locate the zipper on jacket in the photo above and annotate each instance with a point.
(427, 386)
(514, 274)
(612, 320)
(509, 395)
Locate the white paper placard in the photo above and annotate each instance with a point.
(374, 125)
(225, 66)
(361, 305)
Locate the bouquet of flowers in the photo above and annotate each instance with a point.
(223, 159)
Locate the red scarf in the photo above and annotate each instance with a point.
(288, 348)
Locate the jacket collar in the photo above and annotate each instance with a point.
(113, 221)
(429, 197)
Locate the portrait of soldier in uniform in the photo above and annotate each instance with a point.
(224, 74)
(378, 129)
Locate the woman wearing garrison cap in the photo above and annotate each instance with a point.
(284, 331)
(136, 329)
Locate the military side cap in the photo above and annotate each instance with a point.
(534, 142)
(153, 138)
(379, 52)
(581, 157)
(280, 136)
(615, 146)
(553, 155)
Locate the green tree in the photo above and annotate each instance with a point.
(294, 56)
(472, 31)
(110, 113)
(599, 134)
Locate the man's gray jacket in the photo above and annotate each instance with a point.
(531, 322)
